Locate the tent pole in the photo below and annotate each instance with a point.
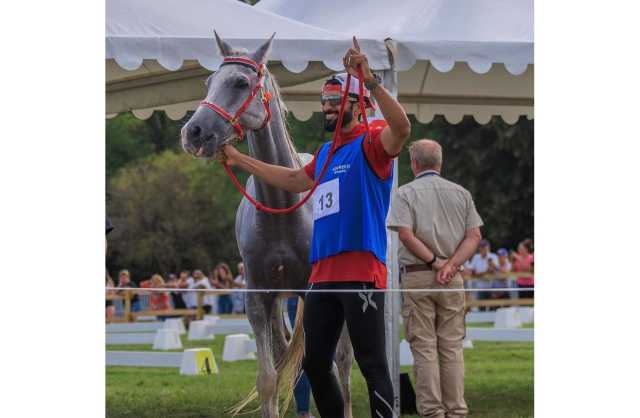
(392, 300)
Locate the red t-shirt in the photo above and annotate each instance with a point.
(158, 301)
(362, 266)
(523, 264)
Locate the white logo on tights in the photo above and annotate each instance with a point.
(366, 297)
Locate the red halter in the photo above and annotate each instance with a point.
(334, 146)
(266, 96)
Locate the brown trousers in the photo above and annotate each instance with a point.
(435, 330)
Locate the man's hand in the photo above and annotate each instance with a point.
(439, 263)
(353, 58)
(446, 273)
(230, 154)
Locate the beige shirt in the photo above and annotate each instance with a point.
(439, 213)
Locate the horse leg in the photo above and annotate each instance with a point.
(344, 360)
(278, 338)
(259, 310)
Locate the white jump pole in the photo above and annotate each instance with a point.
(392, 301)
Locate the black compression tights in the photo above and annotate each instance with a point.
(324, 316)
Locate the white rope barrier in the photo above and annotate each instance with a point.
(245, 290)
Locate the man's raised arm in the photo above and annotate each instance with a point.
(399, 129)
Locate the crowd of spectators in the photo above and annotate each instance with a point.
(482, 265)
(219, 277)
(486, 266)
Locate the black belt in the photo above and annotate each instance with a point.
(415, 267)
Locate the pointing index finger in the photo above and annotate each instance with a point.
(355, 44)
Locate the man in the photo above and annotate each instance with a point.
(209, 301)
(237, 297)
(349, 240)
(503, 266)
(439, 229)
(124, 280)
(482, 265)
(176, 297)
(185, 281)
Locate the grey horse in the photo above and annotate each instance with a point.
(274, 248)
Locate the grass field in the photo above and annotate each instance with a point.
(498, 384)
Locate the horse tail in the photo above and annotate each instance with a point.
(288, 369)
(290, 365)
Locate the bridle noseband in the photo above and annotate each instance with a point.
(234, 120)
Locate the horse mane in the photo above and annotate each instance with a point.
(237, 52)
(283, 113)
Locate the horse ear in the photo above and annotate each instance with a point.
(260, 56)
(223, 48)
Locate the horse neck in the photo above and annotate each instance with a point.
(270, 145)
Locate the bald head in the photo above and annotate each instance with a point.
(425, 154)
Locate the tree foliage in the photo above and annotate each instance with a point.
(495, 163)
(171, 212)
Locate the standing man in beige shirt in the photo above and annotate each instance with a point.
(439, 229)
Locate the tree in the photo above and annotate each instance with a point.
(495, 163)
(126, 141)
(130, 139)
(172, 212)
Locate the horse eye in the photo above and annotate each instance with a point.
(241, 83)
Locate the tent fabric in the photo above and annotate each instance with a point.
(173, 31)
(159, 53)
(478, 32)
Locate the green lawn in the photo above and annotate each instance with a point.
(499, 384)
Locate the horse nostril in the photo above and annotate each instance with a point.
(194, 131)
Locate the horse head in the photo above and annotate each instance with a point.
(237, 100)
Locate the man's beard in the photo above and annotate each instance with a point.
(330, 124)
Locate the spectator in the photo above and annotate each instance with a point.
(224, 280)
(158, 301)
(200, 281)
(185, 281)
(504, 266)
(110, 308)
(124, 280)
(237, 297)
(482, 265)
(439, 229)
(523, 262)
(176, 297)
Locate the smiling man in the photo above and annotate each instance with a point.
(348, 247)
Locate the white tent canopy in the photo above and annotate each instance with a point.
(159, 52)
(454, 57)
(478, 32)
(172, 31)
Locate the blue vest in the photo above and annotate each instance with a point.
(350, 204)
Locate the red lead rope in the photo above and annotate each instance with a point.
(334, 145)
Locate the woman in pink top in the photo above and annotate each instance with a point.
(523, 261)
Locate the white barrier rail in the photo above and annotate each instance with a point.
(143, 359)
(130, 338)
(134, 327)
(394, 290)
(500, 334)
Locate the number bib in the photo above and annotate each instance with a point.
(326, 199)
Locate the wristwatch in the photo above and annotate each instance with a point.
(430, 263)
(372, 84)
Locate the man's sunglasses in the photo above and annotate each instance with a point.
(334, 102)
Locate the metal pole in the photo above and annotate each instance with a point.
(392, 301)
